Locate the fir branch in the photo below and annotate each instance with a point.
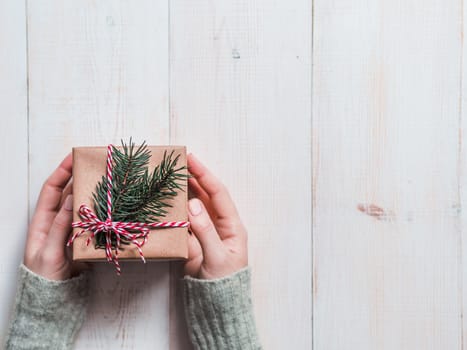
(137, 195)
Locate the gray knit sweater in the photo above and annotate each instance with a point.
(48, 314)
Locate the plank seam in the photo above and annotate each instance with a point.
(169, 81)
(311, 173)
(28, 189)
(459, 177)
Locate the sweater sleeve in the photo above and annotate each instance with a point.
(219, 312)
(47, 314)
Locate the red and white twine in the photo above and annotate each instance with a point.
(121, 229)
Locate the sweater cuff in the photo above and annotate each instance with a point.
(50, 295)
(219, 312)
(47, 313)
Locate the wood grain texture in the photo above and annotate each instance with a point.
(385, 174)
(240, 87)
(462, 187)
(13, 150)
(98, 73)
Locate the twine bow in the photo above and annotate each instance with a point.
(90, 222)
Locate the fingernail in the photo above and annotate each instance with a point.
(193, 158)
(190, 158)
(68, 204)
(195, 206)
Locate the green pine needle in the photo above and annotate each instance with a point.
(137, 195)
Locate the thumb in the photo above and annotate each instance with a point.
(61, 225)
(203, 227)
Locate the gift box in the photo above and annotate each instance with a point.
(90, 166)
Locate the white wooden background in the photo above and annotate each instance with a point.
(338, 125)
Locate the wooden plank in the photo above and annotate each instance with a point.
(13, 150)
(240, 92)
(462, 188)
(386, 209)
(98, 73)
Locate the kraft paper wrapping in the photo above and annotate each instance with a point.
(89, 165)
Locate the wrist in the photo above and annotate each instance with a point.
(217, 274)
(59, 273)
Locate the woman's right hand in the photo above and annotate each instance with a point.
(46, 253)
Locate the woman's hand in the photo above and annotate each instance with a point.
(50, 226)
(219, 245)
